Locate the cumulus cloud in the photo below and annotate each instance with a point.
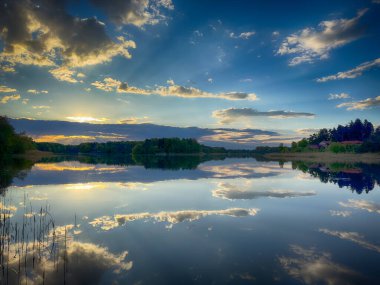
(243, 35)
(352, 73)
(339, 96)
(34, 91)
(362, 205)
(5, 89)
(312, 267)
(354, 237)
(108, 222)
(233, 114)
(63, 73)
(6, 99)
(362, 104)
(43, 33)
(125, 88)
(312, 44)
(238, 192)
(134, 12)
(108, 84)
(171, 90)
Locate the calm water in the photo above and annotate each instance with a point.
(186, 221)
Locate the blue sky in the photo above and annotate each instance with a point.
(284, 66)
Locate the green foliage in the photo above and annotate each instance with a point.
(303, 143)
(10, 142)
(340, 148)
(166, 146)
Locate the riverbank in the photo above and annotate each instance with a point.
(35, 155)
(326, 157)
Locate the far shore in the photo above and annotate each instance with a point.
(326, 157)
(35, 155)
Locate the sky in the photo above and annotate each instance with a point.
(285, 68)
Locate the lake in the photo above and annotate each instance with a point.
(187, 220)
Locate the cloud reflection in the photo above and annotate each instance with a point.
(107, 222)
(86, 263)
(312, 267)
(247, 191)
(362, 205)
(354, 237)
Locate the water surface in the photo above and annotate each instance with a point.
(190, 221)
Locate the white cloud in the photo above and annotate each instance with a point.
(362, 104)
(362, 205)
(243, 35)
(312, 44)
(352, 73)
(339, 96)
(34, 91)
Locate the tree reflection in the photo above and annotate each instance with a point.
(357, 177)
(11, 168)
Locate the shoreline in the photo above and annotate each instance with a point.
(34, 155)
(326, 157)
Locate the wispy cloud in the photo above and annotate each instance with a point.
(352, 73)
(312, 44)
(137, 13)
(362, 104)
(243, 35)
(83, 119)
(362, 205)
(38, 107)
(339, 96)
(343, 214)
(135, 120)
(171, 90)
(354, 237)
(313, 267)
(34, 91)
(107, 222)
(240, 192)
(5, 89)
(6, 99)
(234, 114)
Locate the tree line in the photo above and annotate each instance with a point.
(356, 136)
(11, 142)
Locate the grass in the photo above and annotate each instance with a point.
(326, 157)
